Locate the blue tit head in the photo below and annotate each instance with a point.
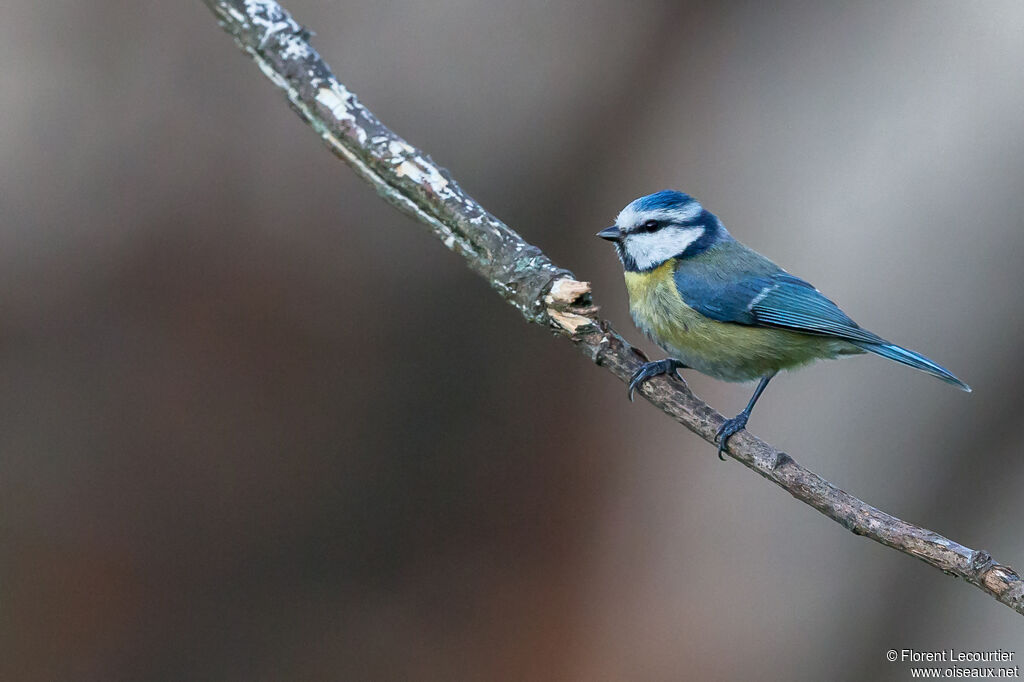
(660, 226)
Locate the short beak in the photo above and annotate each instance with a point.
(612, 234)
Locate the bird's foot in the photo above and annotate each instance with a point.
(729, 428)
(652, 369)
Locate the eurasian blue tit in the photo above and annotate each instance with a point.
(725, 310)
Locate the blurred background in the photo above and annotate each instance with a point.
(257, 425)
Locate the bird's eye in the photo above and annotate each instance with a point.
(650, 226)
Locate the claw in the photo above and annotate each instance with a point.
(721, 449)
(652, 369)
(634, 381)
(729, 428)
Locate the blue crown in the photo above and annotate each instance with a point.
(666, 198)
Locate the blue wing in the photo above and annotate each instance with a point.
(774, 298)
(777, 299)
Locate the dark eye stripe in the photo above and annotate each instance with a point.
(650, 226)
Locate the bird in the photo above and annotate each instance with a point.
(722, 309)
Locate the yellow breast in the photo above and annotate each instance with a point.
(725, 350)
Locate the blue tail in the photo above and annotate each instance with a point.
(915, 360)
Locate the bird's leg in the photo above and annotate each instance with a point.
(739, 422)
(652, 369)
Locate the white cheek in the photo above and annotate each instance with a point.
(649, 249)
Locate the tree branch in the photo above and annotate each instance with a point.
(544, 293)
